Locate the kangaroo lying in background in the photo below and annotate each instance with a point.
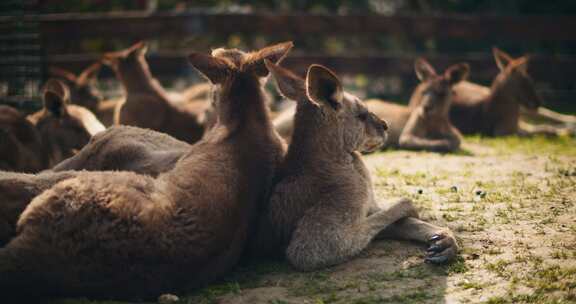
(48, 136)
(64, 128)
(83, 91)
(513, 95)
(495, 112)
(427, 125)
(322, 209)
(89, 234)
(125, 148)
(20, 143)
(147, 105)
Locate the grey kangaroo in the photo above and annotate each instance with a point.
(322, 209)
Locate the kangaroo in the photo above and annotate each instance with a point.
(83, 91)
(89, 234)
(147, 104)
(40, 140)
(514, 89)
(125, 148)
(20, 143)
(322, 209)
(64, 128)
(427, 125)
(497, 113)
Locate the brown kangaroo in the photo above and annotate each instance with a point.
(125, 148)
(322, 210)
(20, 143)
(513, 89)
(427, 125)
(147, 105)
(83, 91)
(64, 128)
(90, 234)
(46, 137)
(497, 113)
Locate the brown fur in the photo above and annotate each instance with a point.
(426, 126)
(63, 128)
(20, 143)
(125, 148)
(322, 209)
(16, 191)
(147, 105)
(90, 234)
(495, 113)
(48, 136)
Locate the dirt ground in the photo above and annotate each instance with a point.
(511, 202)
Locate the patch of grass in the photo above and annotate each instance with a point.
(500, 267)
(457, 266)
(539, 145)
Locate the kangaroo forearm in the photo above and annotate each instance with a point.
(438, 145)
(548, 115)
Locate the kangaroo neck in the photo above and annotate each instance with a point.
(500, 102)
(241, 108)
(137, 78)
(316, 141)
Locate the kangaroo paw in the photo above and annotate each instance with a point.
(443, 248)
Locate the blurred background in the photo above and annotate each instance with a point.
(371, 43)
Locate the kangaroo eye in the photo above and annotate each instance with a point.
(363, 116)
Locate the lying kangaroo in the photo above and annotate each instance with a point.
(427, 125)
(20, 143)
(511, 90)
(83, 91)
(64, 128)
(147, 105)
(494, 112)
(322, 210)
(90, 234)
(46, 137)
(125, 148)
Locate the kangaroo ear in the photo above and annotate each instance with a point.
(289, 84)
(140, 48)
(521, 64)
(89, 74)
(56, 96)
(502, 58)
(323, 87)
(424, 69)
(457, 73)
(275, 54)
(110, 59)
(214, 68)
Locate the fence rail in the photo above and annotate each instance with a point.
(142, 25)
(66, 39)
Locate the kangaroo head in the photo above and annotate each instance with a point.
(83, 89)
(236, 74)
(435, 91)
(338, 115)
(65, 128)
(514, 79)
